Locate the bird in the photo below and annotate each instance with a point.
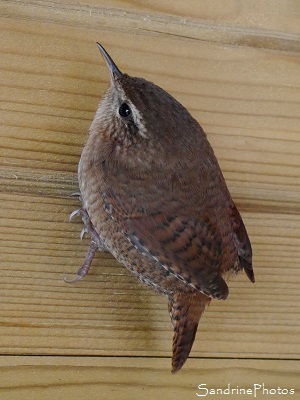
(154, 196)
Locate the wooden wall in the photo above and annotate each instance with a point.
(236, 66)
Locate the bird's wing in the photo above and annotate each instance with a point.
(188, 247)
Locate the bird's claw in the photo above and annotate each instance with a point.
(77, 194)
(74, 280)
(83, 232)
(74, 213)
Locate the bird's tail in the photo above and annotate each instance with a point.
(185, 312)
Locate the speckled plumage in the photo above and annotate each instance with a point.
(154, 196)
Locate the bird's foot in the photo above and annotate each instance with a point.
(88, 228)
(96, 244)
(84, 269)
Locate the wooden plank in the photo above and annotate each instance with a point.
(110, 313)
(281, 16)
(123, 379)
(246, 99)
(237, 71)
(269, 23)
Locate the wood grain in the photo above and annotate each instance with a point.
(109, 313)
(278, 16)
(237, 69)
(133, 378)
(246, 99)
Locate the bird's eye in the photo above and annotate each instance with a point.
(125, 110)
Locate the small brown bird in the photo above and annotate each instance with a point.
(153, 195)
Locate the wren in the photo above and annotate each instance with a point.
(154, 196)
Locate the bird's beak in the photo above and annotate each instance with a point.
(114, 71)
